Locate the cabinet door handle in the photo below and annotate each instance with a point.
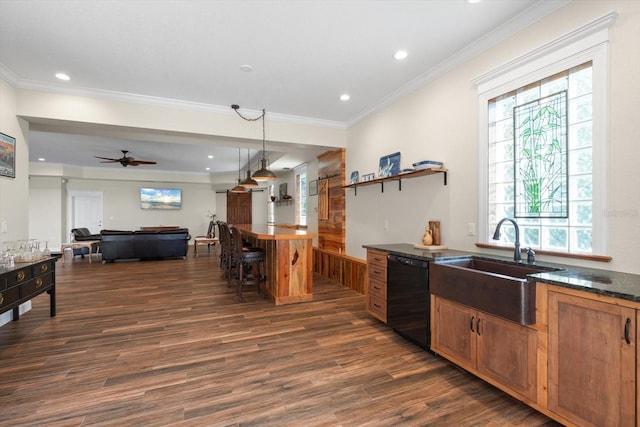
(471, 323)
(627, 327)
(478, 326)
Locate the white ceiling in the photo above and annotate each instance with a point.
(304, 55)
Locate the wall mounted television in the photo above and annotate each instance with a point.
(161, 198)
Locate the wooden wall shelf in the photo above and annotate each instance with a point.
(398, 178)
(283, 202)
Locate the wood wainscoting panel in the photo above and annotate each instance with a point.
(348, 271)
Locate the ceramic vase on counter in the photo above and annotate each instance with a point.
(434, 226)
(427, 237)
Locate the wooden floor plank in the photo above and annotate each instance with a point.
(161, 343)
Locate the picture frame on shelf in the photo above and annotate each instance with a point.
(389, 165)
(7, 156)
(313, 187)
(282, 191)
(355, 176)
(368, 177)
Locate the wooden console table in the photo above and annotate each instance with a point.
(82, 244)
(160, 228)
(289, 261)
(26, 280)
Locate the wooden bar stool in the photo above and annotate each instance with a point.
(248, 264)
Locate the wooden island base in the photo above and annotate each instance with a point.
(289, 261)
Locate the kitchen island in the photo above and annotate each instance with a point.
(289, 261)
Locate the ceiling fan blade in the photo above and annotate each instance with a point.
(141, 162)
(107, 158)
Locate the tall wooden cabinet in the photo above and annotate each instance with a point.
(377, 284)
(497, 350)
(592, 361)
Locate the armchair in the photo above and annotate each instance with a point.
(83, 234)
(209, 240)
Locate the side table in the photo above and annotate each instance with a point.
(90, 244)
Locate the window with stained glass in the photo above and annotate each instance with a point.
(540, 161)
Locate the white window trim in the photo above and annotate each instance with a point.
(586, 43)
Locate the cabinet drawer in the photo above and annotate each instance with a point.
(42, 268)
(377, 258)
(8, 297)
(17, 277)
(377, 307)
(378, 288)
(377, 273)
(36, 285)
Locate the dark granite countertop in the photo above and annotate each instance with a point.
(604, 282)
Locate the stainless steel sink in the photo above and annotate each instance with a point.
(495, 287)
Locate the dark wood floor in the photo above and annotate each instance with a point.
(162, 343)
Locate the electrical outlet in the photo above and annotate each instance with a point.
(4, 226)
(386, 224)
(471, 229)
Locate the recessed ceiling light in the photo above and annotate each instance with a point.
(246, 68)
(63, 76)
(473, 1)
(210, 156)
(207, 169)
(41, 159)
(400, 55)
(345, 97)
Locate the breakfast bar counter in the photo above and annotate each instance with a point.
(289, 261)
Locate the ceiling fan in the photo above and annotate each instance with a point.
(126, 160)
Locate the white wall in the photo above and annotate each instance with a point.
(440, 122)
(121, 206)
(46, 211)
(14, 192)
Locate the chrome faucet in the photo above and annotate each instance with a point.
(496, 236)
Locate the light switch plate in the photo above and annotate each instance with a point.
(471, 229)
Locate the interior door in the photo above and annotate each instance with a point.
(239, 207)
(85, 210)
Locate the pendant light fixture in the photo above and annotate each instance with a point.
(239, 188)
(248, 182)
(262, 174)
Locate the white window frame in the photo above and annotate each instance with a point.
(587, 43)
(298, 171)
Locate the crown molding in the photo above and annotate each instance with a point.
(9, 76)
(593, 28)
(536, 12)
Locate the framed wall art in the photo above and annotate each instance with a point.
(313, 187)
(389, 165)
(7, 156)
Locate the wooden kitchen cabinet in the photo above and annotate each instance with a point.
(592, 361)
(377, 284)
(497, 350)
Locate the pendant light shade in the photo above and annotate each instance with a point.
(238, 189)
(248, 182)
(262, 174)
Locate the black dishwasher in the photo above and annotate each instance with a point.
(408, 299)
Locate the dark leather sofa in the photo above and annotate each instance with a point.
(144, 244)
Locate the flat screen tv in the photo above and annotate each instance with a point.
(161, 198)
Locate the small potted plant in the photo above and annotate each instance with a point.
(212, 217)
